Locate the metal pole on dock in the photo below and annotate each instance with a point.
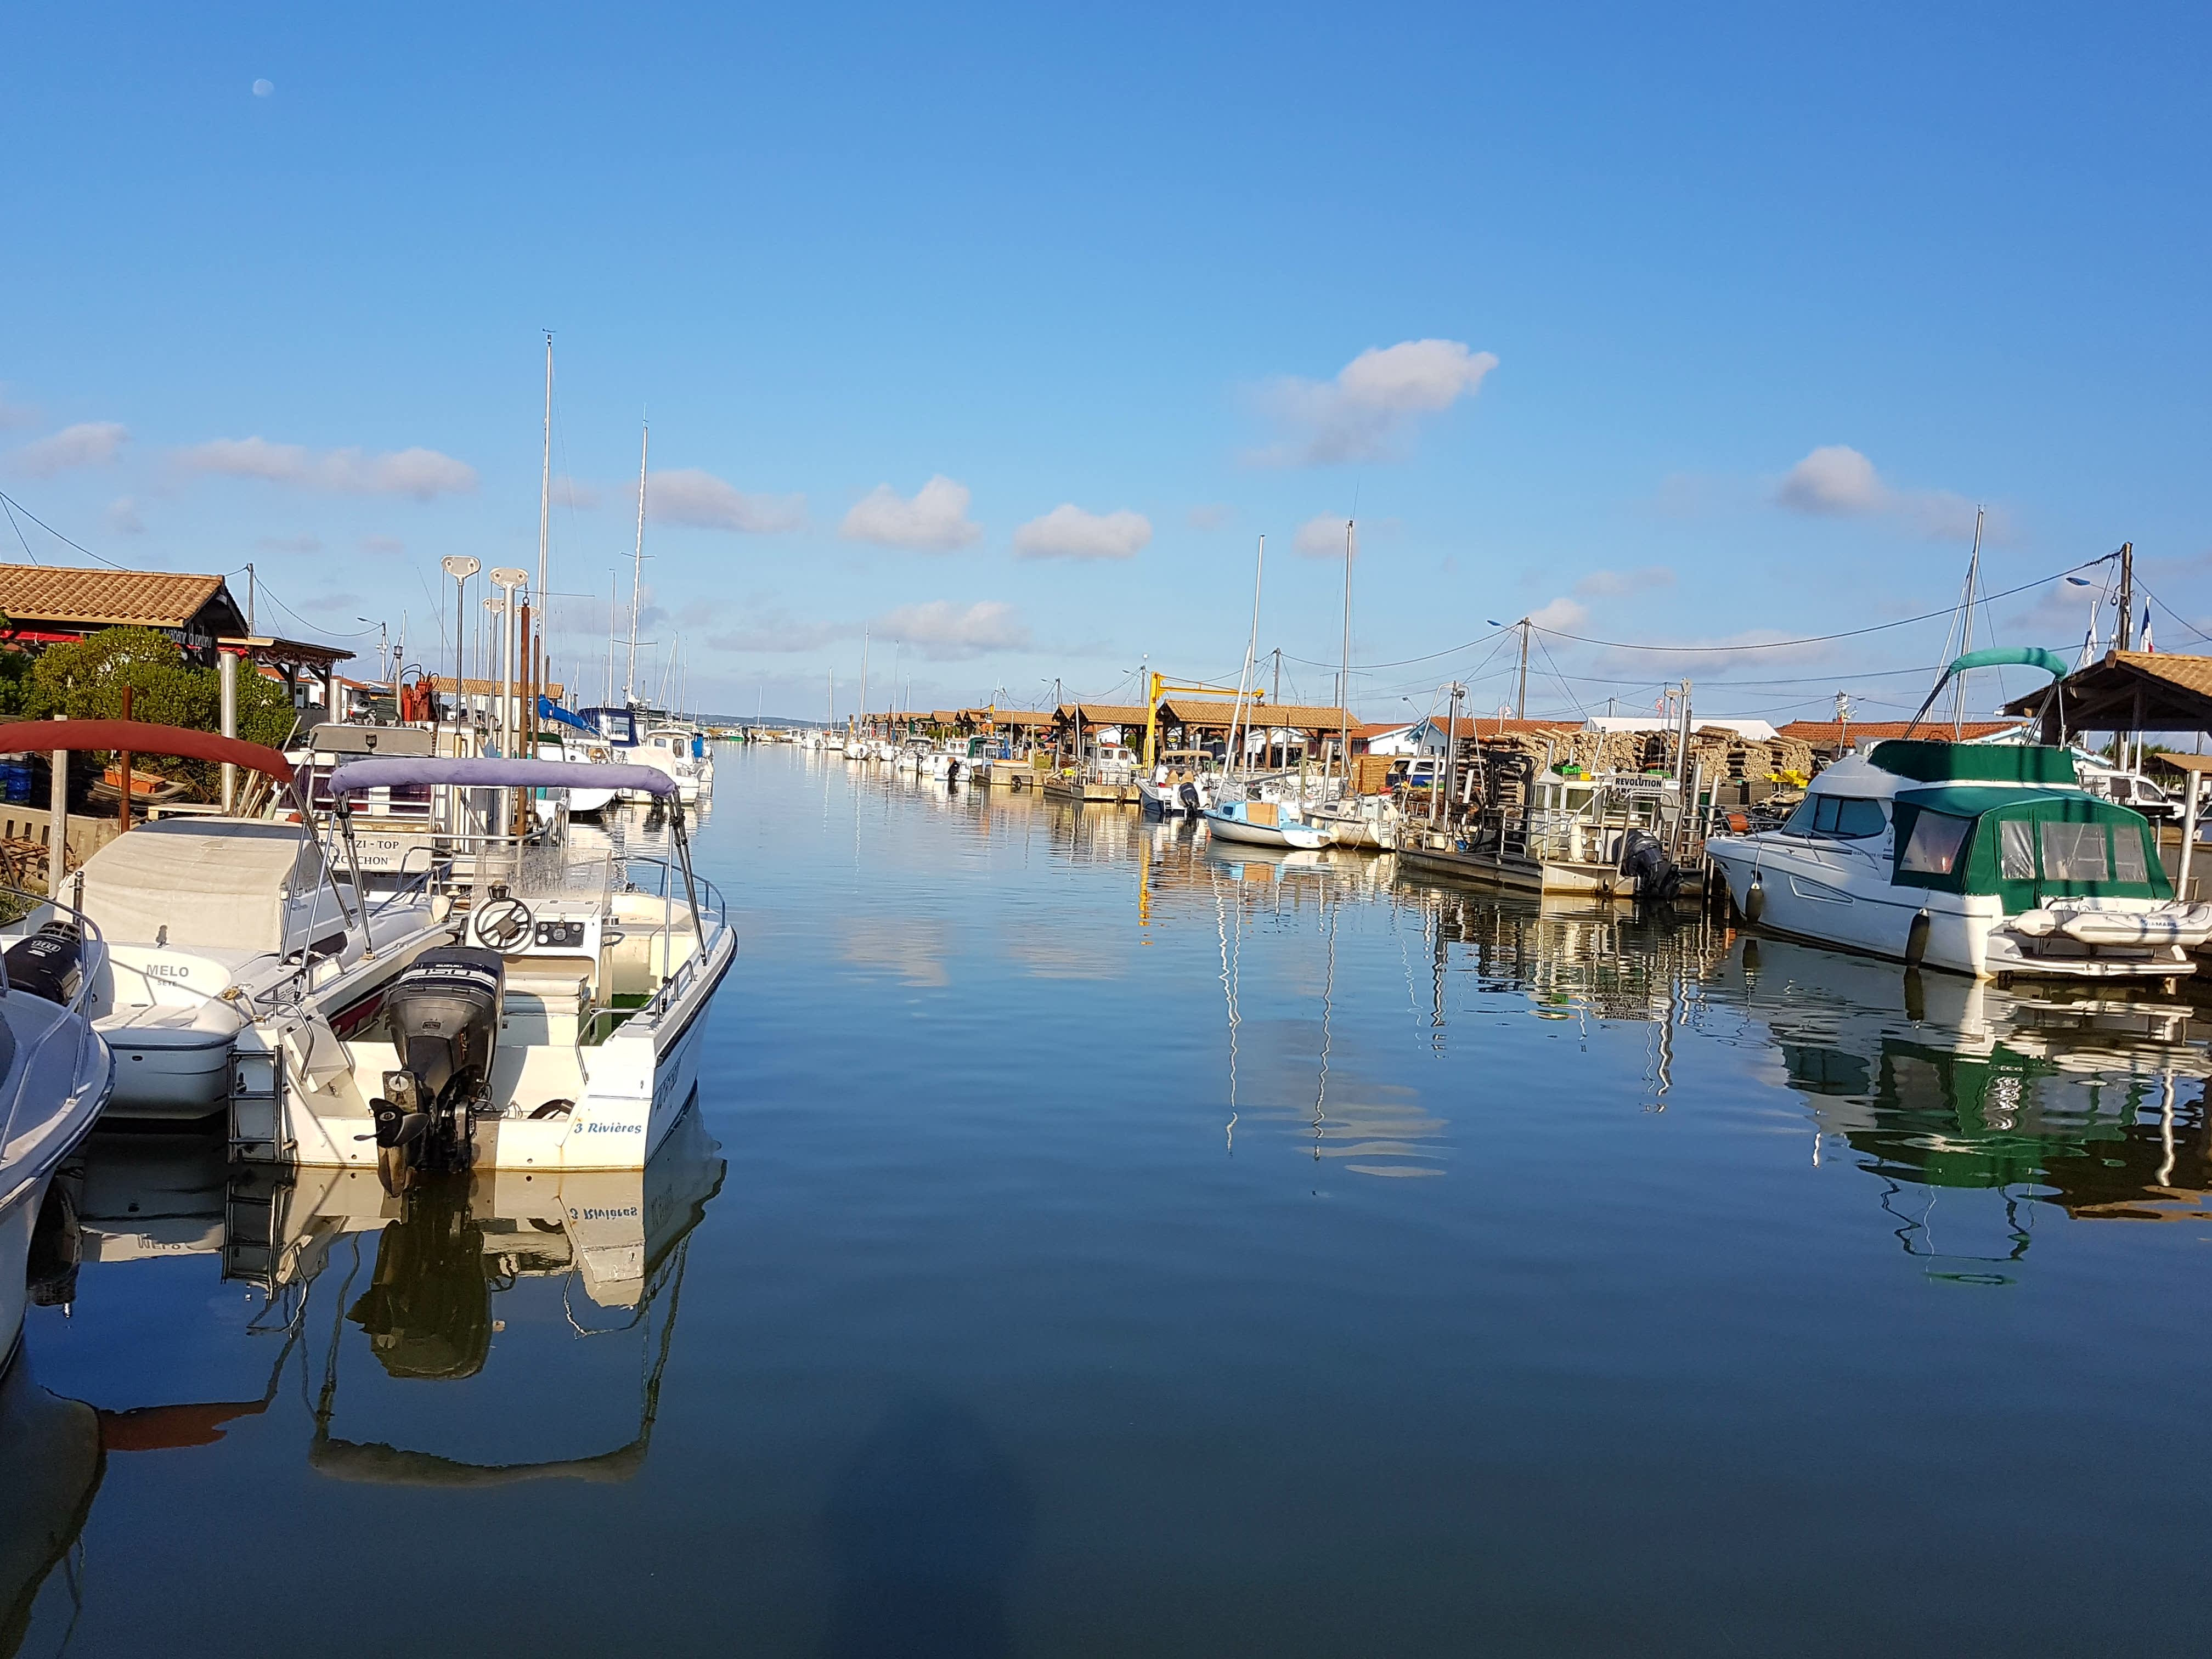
(57, 821)
(2188, 837)
(226, 664)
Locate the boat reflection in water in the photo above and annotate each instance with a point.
(425, 1278)
(1940, 1085)
(444, 1256)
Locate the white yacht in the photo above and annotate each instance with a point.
(1985, 859)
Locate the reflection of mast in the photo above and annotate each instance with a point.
(1229, 974)
(1328, 1010)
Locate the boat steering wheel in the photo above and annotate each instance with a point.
(502, 924)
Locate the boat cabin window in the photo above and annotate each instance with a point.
(2073, 852)
(2016, 850)
(1848, 817)
(1934, 847)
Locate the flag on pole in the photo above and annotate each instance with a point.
(2147, 645)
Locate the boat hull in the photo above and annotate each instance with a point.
(1289, 838)
(1817, 901)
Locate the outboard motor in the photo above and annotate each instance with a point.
(444, 1013)
(1190, 801)
(1643, 858)
(50, 963)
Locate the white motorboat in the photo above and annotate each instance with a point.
(565, 1033)
(55, 1073)
(1984, 860)
(1178, 786)
(203, 924)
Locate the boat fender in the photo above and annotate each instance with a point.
(2035, 924)
(1916, 940)
(1754, 900)
(48, 965)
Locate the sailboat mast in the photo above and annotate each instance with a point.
(1344, 685)
(864, 680)
(1251, 654)
(1967, 634)
(637, 565)
(545, 479)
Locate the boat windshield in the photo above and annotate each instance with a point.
(1849, 818)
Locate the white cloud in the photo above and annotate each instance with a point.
(1560, 613)
(12, 414)
(947, 632)
(1612, 584)
(1069, 533)
(687, 495)
(423, 474)
(771, 628)
(936, 517)
(1368, 411)
(1837, 481)
(261, 89)
(1321, 538)
(88, 443)
(1210, 515)
(292, 544)
(383, 546)
(122, 517)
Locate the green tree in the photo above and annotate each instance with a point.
(85, 678)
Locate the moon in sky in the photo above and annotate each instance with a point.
(263, 88)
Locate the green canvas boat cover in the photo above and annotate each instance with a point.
(1924, 760)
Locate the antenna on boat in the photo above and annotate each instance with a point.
(1967, 634)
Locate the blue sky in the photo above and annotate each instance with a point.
(1774, 298)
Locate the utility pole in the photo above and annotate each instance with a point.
(249, 598)
(1521, 700)
(2124, 637)
(1436, 799)
(1843, 723)
(1278, 674)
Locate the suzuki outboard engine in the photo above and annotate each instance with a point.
(1191, 803)
(50, 963)
(445, 1012)
(1643, 858)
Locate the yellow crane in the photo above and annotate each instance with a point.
(1159, 684)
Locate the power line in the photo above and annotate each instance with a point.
(1815, 639)
(15, 507)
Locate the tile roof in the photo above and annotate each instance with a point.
(131, 599)
(1297, 717)
(1826, 734)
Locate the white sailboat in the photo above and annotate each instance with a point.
(1235, 814)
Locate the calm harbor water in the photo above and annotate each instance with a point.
(1088, 1241)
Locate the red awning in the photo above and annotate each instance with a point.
(141, 738)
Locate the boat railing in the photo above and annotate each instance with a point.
(88, 933)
